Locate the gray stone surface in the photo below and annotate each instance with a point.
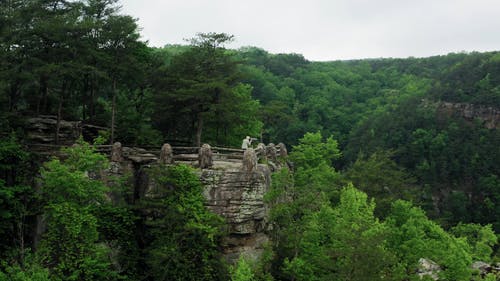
(116, 152)
(42, 130)
(205, 158)
(490, 116)
(427, 267)
(249, 160)
(234, 192)
(283, 150)
(166, 154)
(238, 196)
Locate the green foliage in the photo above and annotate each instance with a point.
(13, 160)
(201, 91)
(294, 196)
(489, 210)
(312, 159)
(30, 271)
(83, 60)
(117, 228)
(381, 178)
(345, 242)
(444, 154)
(18, 201)
(134, 125)
(319, 238)
(185, 236)
(69, 247)
(69, 181)
(414, 236)
(482, 239)
(242, 271)
(312, 151)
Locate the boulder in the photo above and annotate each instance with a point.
(166, 154)
(271, 152)
(427, 267)
(249, 160)
(205, 157)
(283, 150)
(116, 152)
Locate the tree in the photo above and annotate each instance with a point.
(18, 202)
(381, 178)
(184, 235)
(121, 43)
(345, 242)
(202, 86)
(413, 236)
(69, 247)
(242, 271)
(482, 239)
(294, 196)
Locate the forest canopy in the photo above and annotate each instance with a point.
(392, 160)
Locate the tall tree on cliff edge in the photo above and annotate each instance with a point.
(122, 43)
(67, 58)
(202, 86)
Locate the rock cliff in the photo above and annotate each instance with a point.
(42, 130)
(234, 182)
(231, 189)
(238, 196)
(490, 116)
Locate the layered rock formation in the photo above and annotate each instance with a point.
(238, 196)
(42, 130)
(490, 116)
(233, 190)
(235, 184)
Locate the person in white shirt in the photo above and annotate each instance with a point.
(246, 142)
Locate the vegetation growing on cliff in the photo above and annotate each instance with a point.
(366, 134)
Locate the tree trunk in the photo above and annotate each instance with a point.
(91, 102)
(44, 88)
(84, 96)
(113, 112)
(20, 236)
(199, 128)
(13, 96)
(59, 110)
(44, 100)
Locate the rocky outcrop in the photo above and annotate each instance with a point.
(490, 116)
(249, 160)
(427, 267)
(166, 154)
(483, 269)
(283, 150)
(430, 269)
(234, 182)
(238, 196)
(42, 130)
(205, 156)
(233, 190)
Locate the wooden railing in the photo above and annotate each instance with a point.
(180, 153)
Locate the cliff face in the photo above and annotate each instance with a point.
(238, 196)
(231, 191)
(42, 130)
(490, 116)
(234, 184)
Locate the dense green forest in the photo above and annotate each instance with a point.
(389, 162)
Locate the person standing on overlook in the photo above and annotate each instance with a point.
(246, 142)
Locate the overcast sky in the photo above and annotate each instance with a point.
(324, 30)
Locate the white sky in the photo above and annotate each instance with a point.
(324, 30)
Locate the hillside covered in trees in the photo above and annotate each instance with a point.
(392, 160)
